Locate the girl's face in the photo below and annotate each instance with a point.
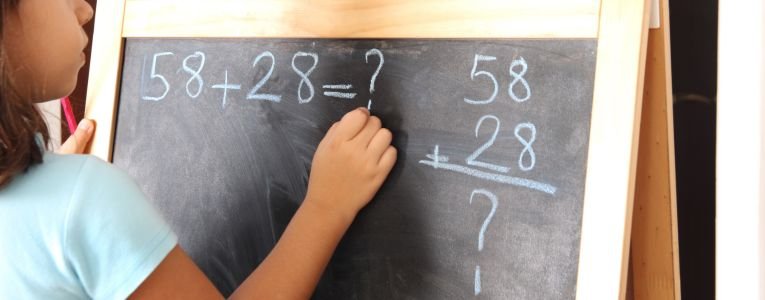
(43, 42)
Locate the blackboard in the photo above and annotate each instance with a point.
(486, 197)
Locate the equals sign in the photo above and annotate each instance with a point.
(338, 91)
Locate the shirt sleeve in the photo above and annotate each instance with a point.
(114, 236)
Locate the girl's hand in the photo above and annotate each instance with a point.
(350, 164)
(76, 143)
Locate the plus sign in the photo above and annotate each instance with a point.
(225, 86)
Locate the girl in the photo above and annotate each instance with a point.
(72, 226)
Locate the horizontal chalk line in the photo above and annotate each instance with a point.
(522, 182)
(338, 86)
(340, 95)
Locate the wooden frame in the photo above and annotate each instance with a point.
(619, 25)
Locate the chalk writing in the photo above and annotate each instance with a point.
(527, 149)
(482, 232)
(342, 95)
(470, 160)
(154, 75)
(226, 86)
(518, 77)
(253, 94)
(474, 74)
(437, 163)
(304, 76)
(194, 73)
(379, 54)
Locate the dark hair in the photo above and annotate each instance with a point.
(20, 120)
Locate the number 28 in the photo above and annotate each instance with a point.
(526, 152)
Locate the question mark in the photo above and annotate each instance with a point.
(494, 202)
(377, 72)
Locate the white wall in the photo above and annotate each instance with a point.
(740, 134)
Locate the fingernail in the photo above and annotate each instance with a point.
(85, 125)
(364, 109)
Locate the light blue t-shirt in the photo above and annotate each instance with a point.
(76, 227)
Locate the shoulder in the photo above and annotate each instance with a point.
(88, 168)
(87, 178)
(98, 230)
(97, 176)
(54, 182)
(112, 228)
(69, 172)
(102, 192)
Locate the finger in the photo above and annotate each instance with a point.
(380, 143)
(76, 143)
(388, 159)
(352, 123)
(370, 129)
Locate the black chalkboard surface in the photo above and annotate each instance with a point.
(486, 196)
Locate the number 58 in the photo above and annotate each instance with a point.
(517, 78)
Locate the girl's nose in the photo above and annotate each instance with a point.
(84, 12)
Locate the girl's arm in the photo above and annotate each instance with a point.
(349, 166)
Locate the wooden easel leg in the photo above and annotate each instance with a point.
(654, 267)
